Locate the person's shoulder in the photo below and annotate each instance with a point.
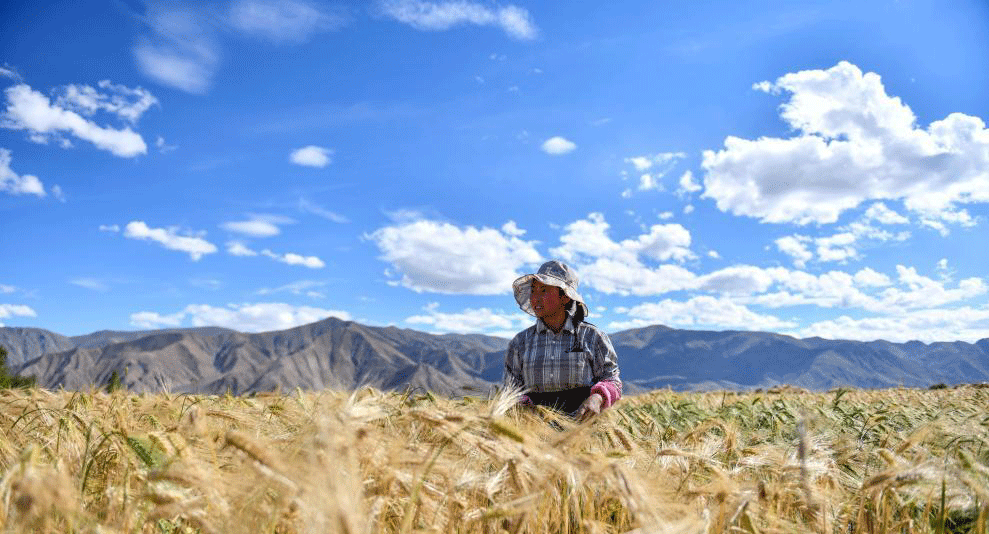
(521, 336)
(592, 328)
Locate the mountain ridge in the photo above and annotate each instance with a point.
(339, 354)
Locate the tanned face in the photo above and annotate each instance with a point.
(547, 302)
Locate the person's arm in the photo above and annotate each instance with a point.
(607, 388)
(513, 370)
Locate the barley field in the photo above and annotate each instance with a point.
(848, 461)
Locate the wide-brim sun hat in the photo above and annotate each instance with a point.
(552, 273)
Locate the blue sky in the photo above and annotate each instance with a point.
(808, 168)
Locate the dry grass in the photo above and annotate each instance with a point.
(367, 462)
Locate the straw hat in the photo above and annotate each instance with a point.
(552, 273)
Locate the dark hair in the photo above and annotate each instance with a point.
(576, 312)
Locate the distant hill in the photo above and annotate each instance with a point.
(344, 355)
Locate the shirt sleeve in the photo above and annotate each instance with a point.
(513, 366)
(607, 381)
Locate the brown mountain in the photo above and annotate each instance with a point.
(345, 355)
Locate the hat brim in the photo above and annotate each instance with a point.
(523, 290)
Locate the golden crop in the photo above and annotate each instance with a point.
(847, 461)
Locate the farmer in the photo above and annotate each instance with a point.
(561, 361)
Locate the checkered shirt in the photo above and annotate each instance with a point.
(540, 360)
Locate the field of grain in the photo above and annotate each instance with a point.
(381, 462)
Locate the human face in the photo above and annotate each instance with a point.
(547, 302)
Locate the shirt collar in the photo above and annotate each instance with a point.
(567, 325)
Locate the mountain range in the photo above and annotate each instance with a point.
(345, 355)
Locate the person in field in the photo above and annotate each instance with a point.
(562, 361)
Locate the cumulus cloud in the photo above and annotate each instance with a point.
(16, 184)
(440, 257)
(258, 225)
(311, 156)
(246, 317)
(557, 146)
(126, 103)
(195, 247)
(469, 321)
(699, 312)
(32, 111)
(282, 21)
(437, 16)
(291, 258)
(927, 325)
(855, 143)
(617, 267)
(180, 52)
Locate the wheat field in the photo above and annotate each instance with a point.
(848, 461)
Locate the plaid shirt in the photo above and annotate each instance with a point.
(540, 360)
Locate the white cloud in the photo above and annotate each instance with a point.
(180, 53)
(443, 258)
(312, 156)
(658, 165)
(196, 247)
(16, 184)
(928, 325)
(880, 213)
(58, 193)
(617, 267)
(557, 146)
(687, 183)
(301, 287)
(308, 207)
(700, 312)
(7, 289)
(247, 317)
(15, 310)
(90, 283)
(163, 147)
(295, 259)
(112, 228)
(30, 110)
(845, 244)
(855, 144)
(512, 229)
(795, 246)
(9, 73)
(282, 20)
(258, 225)
(435, 16)
(468, 321)
(236, 248)
(122, 101)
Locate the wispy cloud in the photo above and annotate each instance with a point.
(437, 16)
(180, 51)
(283, 21)
(308, 207)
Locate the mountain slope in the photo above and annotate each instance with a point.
(345, 355)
